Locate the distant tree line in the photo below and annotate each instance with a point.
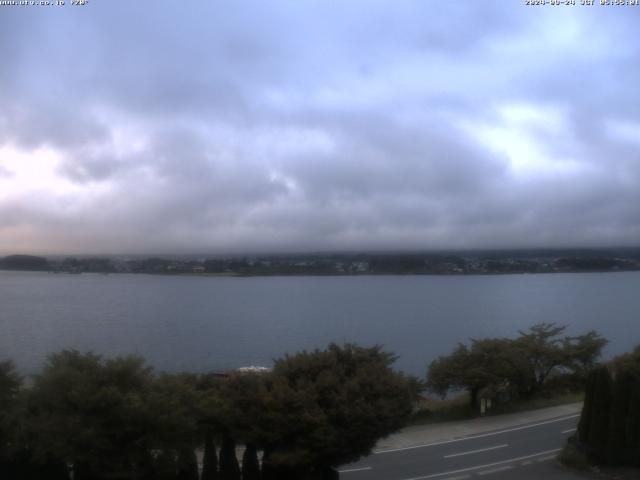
(24, 262)
(507, 262)
(609, 427)
(92, 418)
(540, 360)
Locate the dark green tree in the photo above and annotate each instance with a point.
(522, 366)
(326, 408)
(598, 428)
(93, 414)
(13, 456)
(543, 350)
(229, 468)
(175, 403)
(491, 362)
(187, 464)
(629, 364)
(620, 404)
(587, 409)
(210, 458)
(10, 383)
(632, 436)
(164, 465)
(609, 427)
(582, 352)
(250, 464)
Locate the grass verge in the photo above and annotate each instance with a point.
(457, 408)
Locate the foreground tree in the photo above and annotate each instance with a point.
(547, 353)
(326, 408)
(209, 458)
(250, 464)
(542, 347)
(609, 427)
(187, 464)
(92, 414)
(486, 363)
(10, 384)
(229, 467)
(522, 365)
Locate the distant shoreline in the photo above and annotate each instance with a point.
(471, 263)
(302, 274)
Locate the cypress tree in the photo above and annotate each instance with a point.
(587, 409)
(187, 464)
(268, 472)
(250, 464)
(616, 438)
(229, 468)
(210, 458)
(165, 466)
(32, 469)
(82, 471)
(330, 474)
(632, 437)
(599, 421)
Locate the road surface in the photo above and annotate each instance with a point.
(523, 451)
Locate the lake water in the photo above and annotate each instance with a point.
(213, 323)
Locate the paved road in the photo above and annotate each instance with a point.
(519, 451)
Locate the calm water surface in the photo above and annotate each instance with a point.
(201, 323)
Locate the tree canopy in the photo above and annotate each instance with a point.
(112, 418)
(94, 413)
(330, 407)
(609, 427)
(522, 365)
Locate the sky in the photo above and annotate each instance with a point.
(290, 126)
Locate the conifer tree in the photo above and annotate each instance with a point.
(616, 436)
(587, 409)
(599, 421)
(229, 468)
(250, 464)
(165, 466)
(210, 458)
(187, 464)
(632, 437)
(267, 471)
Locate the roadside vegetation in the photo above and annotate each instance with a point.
(608, 433)
(90, 418)
(430, 409)
(541, 367)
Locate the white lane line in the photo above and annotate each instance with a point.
(546, 459)
(472, 437)
(354, 469)
(569, 430)
(496, 470)
(476, 451)
(480, 467)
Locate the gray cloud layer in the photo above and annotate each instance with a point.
(234, 126)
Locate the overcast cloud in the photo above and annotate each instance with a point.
(213, 127)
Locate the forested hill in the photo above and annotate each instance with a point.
(24, 262)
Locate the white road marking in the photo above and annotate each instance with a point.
(545, 459)
(354, 469)
(476, 451)
(496, 470)
(569, 430)
(480, 467)
(472, 437)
